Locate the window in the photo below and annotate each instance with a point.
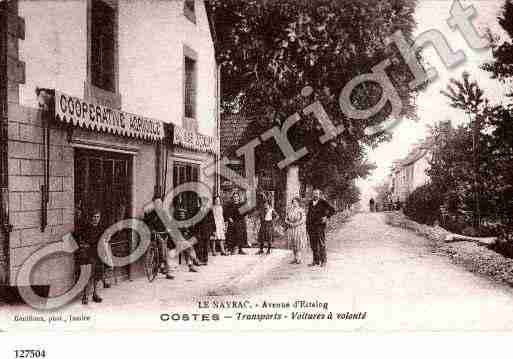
(188, 10)
(103, 45)
(190, 88)
(184, 173)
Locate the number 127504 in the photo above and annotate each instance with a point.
(29, 353)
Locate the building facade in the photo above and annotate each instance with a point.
(410, 173)
(277, 185)
(105, 103)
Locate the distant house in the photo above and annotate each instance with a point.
(233, 129)
(410, 173)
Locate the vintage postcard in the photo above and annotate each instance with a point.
(270, 165)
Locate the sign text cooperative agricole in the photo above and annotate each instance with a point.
(86, 114)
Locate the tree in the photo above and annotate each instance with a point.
(478, 157)
(499, 164)
(468, 96)
(270, 50)
(501, 120)
(347, 196)
(452, 168)
(502, 66)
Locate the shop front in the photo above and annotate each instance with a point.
(75, 156)
(103, 181)
(191, 152)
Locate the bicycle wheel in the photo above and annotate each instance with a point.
(151, 263)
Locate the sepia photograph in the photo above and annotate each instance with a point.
(340, 166)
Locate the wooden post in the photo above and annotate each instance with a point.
(293, 186)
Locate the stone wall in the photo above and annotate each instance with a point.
(26, 168)
(12, 74)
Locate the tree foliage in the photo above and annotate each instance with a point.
(269, 50)
(502, 66)
(476, 157)
(465, 94)
(423, 204)
(452, 168)
(346, 195)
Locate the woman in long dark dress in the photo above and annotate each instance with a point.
(237, 225)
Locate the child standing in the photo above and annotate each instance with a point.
(220, 233)
(268, 218)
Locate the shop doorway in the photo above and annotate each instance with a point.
(184, 172)
(103, 180)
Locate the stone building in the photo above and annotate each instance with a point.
(274, 184)
(103, 103)
(410, 173)
(278, 185)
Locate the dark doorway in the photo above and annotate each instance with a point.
(103, 180)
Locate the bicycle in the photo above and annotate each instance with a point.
(154, 261)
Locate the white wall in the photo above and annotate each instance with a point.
(151, 39)
(152, 35)
(55, 47)
(420, 176)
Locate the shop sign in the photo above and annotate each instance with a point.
(85, 114)
(193, 141)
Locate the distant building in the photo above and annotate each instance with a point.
(410, 173)
(277, 185)
(269, 181)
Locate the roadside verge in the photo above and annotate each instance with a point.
(475, 257)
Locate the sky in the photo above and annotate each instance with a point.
(431, 105)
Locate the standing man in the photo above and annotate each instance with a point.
(237, 225)
(371, 205)
(203, 230)
(318, 213)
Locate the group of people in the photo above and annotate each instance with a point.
(225, 227)
(302, 228)
(387, 205)
(221, 230)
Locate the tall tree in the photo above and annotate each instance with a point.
(501, 120)
(502, 66)
(452, 168)
(477, 157)
(468, 96)
(269, 50)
